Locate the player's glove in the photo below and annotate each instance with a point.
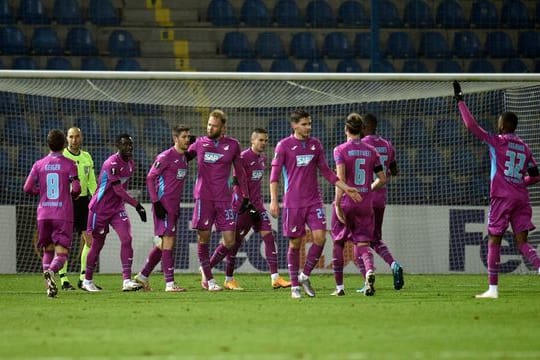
(244, 206)
(458, 93)
(141, 212)
(253, 213)
(159, 210)
(192, 139)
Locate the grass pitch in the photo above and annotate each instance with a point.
(432, 317)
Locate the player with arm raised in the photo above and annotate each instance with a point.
(54, 179)
(513, 168)
(107, 208)
(298, 157)
(165, 182)
(357, 164)
(216, 154)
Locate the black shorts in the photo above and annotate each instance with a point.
(80, 213)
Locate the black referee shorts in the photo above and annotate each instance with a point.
(80, 213)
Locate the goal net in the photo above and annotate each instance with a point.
(435, 220)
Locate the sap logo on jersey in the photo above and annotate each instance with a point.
(181, 174)
(303, 160)
(210, 157)
(257, 175)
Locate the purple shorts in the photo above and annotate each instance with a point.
(167, 226)
(503, 212)
(295, 220)
(245, 223)
(360, 222)
(100, 223)
(57, 232)
(208, 212)
(339, 231)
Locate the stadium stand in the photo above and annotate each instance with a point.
(221, 13)
(418, 14)
(283, 65)
(80, 42)
(499, 45)
(269, 46)
(433, 45)
(249, 65)
(102, 12)
(287, 14)
(484, 14)
(12, 41)
(67, 12)
(33, 12)
(304, 46)
(450, 15)
(58, 63)
(481, 66)
(400, 46)
(320, 14)
(236, 45)
(337, 46)
(45, 41)
(255, 13)
(348, 66)
(7, 14)
(352, 13)
(24, 63)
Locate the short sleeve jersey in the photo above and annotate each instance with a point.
(85, 167)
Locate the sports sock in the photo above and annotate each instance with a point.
(230, 260)
(154, 257)
(84, 255)
(167, 263)
(47, 259)
(367, 257)
(270, 252)
(359, 261)
(204, 260)
(337, 262)
(313, 256)
(530, 254)
(384, 252)
(293, 258)
(91, 260)
(58, 261)
(63, 273)
(126, 256)
(493, 261)
(218, 255)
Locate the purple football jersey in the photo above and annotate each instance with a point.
(387, 154)
(254, 165)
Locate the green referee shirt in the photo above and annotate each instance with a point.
(85, 167)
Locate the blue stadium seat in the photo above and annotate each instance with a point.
(48, 123)
(58, 63)
(316, 66)
(91, 130)
(383, 66)
(99, 155)
(386, 130)
(33, 12)
(529, 44)
(304, 46)
(120, 125)
(283, 65)
(514, 14)
(466, 45)
(142, 160)
(433, 45)
(484, 14)
(400, 46)
(221, 13)
(269, 46)
(407, 190)
(418, 14)
(388, 15)
(80, 42)
(414, 132)
(10, 103)
(414, 66)
(450, 15)
(278, 128)
(7, 14)
(287, 14)
(320, 14)
(499, 45)
(514, 66)
(102, 12)
(337, 46)
(463, 158)
(45, 41)
(480, 66)
(67, 12)
(351, 13)
(235, 45)
(448, 66)
(255, 13)
(249, 65)
(448, 132)
(362, 45)
(348, 66)
(429, 159)
(12, 41)
(93, 64)
(75, 107)
(127, 64)
(17, 131)
(24, 63)
(122, 44)
(27, 157)
(155, 130)
(142, 109)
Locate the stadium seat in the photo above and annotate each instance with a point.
(414, 66)
(255, 13)
(399, 46)
(127, 64)
(278, 128)
(388, 15)
(12, 41)
(337, 46)
(433, 45)
(99, 155)
(304, 46)
(80, 42)
(448, 132)
(386, 130)
(418, 14)
(499, 45)
(463, 158)
(139, 109)
(430, 160)
(121, 125)
(93, 64)
(48, 123)
(235, 45)
(24, 63)
(514, 14)
(155, 130)
(27, 157)
(102, 12)
(362, 45)
(480, 66)
(320, 14)
(33, 12)
(448, 66)
(269, 46)
(283, 65)
(348, 66)
(17, 131)
(91, 130)
(58, 63)
(383, 66)
(287, 14)
(466, 45)
(67, 12)
(351, 13)
(10, 103)
(221, 13)
(484, 14)
(514, 66)
(450, 15)
(7, 14)
(110, 107)
(413, 131)
(122, 44)
(407, 190)
(529, 44)
(249, 65)
(45, 41)
(316, 66)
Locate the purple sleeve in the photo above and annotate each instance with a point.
(240, 173)
(471, 123)
(31, 185)
(277, 163)
(337, 156)
(153, 173)
(120, 191)
(325, 169)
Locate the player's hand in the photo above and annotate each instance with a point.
(244, 206)
(159, 210)
(274, 209)
(458, 93)
(141, 212)
(253, 213)
(340, 215)
(353, 194)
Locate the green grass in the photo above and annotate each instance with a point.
(432, 317)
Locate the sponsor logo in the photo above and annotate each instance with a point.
(303, 160)
(257, 175)
(181, 173)
(210, 157)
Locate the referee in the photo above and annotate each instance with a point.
(87, 177)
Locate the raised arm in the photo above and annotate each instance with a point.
(466, 116)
